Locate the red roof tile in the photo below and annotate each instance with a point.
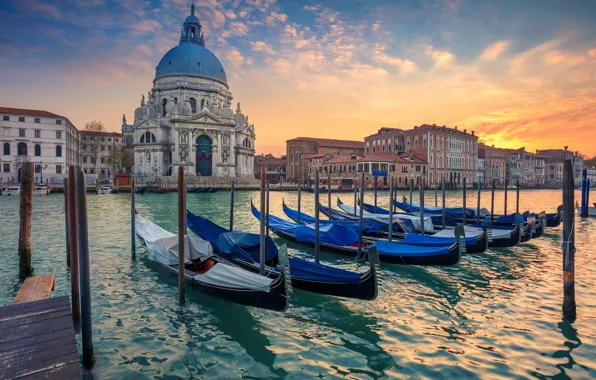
(22, 111)
(332, 143)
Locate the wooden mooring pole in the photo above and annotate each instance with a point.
(85, 281)
(25, 214)
(422, 205)
(181, 234)
(74, 242)
(569, 307)
(375, 180)
(329, 196)
(464, 200)
(517, 198)
(360, 215)
(262, 225)
(505, 200)
(66, 219)
(390, 233)
(232, 206)
(478, 202)
(267, 208)
(133, 227)
(411, 191)
(355, 197)
(299, 197)
(436, 195)
(443, 214)
(317, 227)
(492, 201)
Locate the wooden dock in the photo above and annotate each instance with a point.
(37, 340)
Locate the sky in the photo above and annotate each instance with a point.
(518, 73)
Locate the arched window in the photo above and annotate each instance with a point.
(142, 141)
(193, 105)
(6, 149)
(164, 102)
(202, 103)
(148, 138)
(37, 150)
(22, 149)
(58, 150)
(153, 139)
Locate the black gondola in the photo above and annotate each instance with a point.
(224, 279)
(243, 250)
(389, 252)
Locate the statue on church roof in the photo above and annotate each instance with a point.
(142, 100)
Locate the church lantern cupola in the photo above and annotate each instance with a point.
(191, 29)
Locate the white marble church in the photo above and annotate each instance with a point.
(187, 119)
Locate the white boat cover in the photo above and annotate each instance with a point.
(384, 218)
(235, 277)
(162, 246)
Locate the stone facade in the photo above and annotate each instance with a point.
(450, 153)
(187, 121)
(99, 151)
(48, 140)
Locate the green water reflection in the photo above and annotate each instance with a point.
(493, 315)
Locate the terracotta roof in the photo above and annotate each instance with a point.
(443, 128)
(271, 161)
(411, 159)
(377, 158)
(342, 158)
(332, 143)
(94, 133)
(22, 111)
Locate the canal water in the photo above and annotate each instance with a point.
(494, 315)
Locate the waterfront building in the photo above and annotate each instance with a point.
(275, 168)
(48, 140)
(554, 171)
(102, 153)
(128, 145)
(592, 176)
(493, 164)
(527, 167)
(450, 153)
(563, 154)
(187, 121)
(387, 141)
(304, 152)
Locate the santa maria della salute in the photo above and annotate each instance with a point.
(187, 120)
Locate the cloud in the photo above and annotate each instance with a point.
(405, 65)
(441, 58)
(262, 47)
(493, 51)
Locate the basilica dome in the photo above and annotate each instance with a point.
(191, 57)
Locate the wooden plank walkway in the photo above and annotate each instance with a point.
(37, 341)
(35, 289)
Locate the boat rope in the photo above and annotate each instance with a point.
(569, 243)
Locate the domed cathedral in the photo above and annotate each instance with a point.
(187, 119)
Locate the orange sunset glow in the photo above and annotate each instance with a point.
(513, 76)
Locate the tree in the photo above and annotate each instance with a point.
(95, 126)
(120, 159)
(92, 145)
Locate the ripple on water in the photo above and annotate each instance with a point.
(494, 315)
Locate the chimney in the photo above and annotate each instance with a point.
(456, 127)
(493, 145)
(472, 133)
(465, 131)
(434, 125)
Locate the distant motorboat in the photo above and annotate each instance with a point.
(12, 190)
(104, 190)
(41, 190)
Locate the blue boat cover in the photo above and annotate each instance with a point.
(453, 212)
(374, 209)
(437, 219)
(510, 218)
(332, 233)
(245, 246)
(396, 249)
(368, 226)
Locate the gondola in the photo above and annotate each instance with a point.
(213, 189)
(343, 239)
(141, 190)
(211, 274)
(477, 242)
(554, 219)
(243, 249)
(527, 231)
(192, 190)
(504, 236)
